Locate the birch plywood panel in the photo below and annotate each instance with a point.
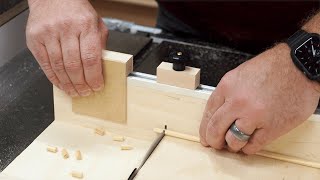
(188, 160)
(151, 104)
(102, 157)
(111, 102)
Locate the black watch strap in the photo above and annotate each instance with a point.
(295, 39)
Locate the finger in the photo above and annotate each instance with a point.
(55, 55)
(219, 124)
(104, 33)
(258, 140)
(40, 53)
(73, 65)
(234, 144)
(214, 102)
(91, 51)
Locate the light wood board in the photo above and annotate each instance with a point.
(174, 159)
(185, 160)
(189, 78)
(111, 102)
(151, 105)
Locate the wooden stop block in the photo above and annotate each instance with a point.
(189, 78)
(111, 102)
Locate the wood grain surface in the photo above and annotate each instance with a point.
(152, 105)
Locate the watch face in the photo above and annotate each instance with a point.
(308, 55)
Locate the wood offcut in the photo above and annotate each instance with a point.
(65, 154)
(189, 78)
(78, 155)
(100, 131)
(126, 147)
(118, 138)
(52, 149)
(76, 174)
(111, 102)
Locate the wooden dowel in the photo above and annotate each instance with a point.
(290, 159)
(77, 174)
(178, 135)
(78, 155)
(267, 154)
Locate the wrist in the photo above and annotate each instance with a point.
(282, 51)
(312, 26)
(31, 2)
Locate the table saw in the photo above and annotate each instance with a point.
(145, 104)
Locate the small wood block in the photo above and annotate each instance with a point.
(65, 154)
(118, 138)
(189, 78)
(100, 131)
(76, 174)
(52, 149)
(78, 155)
(111, 102)
(126, 147)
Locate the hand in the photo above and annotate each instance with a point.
(266, 96)
(67, 38)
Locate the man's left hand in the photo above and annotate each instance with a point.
(266, 97)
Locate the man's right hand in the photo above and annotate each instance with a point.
(67, 38)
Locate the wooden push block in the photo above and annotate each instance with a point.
(189, 78)
(111, 102)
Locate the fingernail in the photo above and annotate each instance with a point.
(98, 88)
(85, 93)
(74, 94)
(204, 143)
(60, 86)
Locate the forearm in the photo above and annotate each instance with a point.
(313, 25)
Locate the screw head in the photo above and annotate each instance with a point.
(178, 58)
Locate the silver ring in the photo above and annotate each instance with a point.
(238, 134)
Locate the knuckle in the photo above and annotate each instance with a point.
(90, 60)
(259, 142)
(57, 66)
(105, 31)
(81, 86)
(72, 66)
(87, 20)
(248, 151)
(213, 130)
(65, 22)
(51, 77)
(259, 109)
(240, 101)
(224, 83)
(33, 31)
(67, 86)
(45, 66)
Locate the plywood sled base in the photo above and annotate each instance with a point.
(177, 159)
(173, 159)
(152, 105)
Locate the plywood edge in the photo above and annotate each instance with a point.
(116, 56)
(152, 84)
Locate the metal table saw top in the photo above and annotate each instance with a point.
(26, 101)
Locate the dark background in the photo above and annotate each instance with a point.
(7, 4)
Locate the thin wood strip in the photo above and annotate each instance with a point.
(178, 135)
(290, 159)
(267, 154)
